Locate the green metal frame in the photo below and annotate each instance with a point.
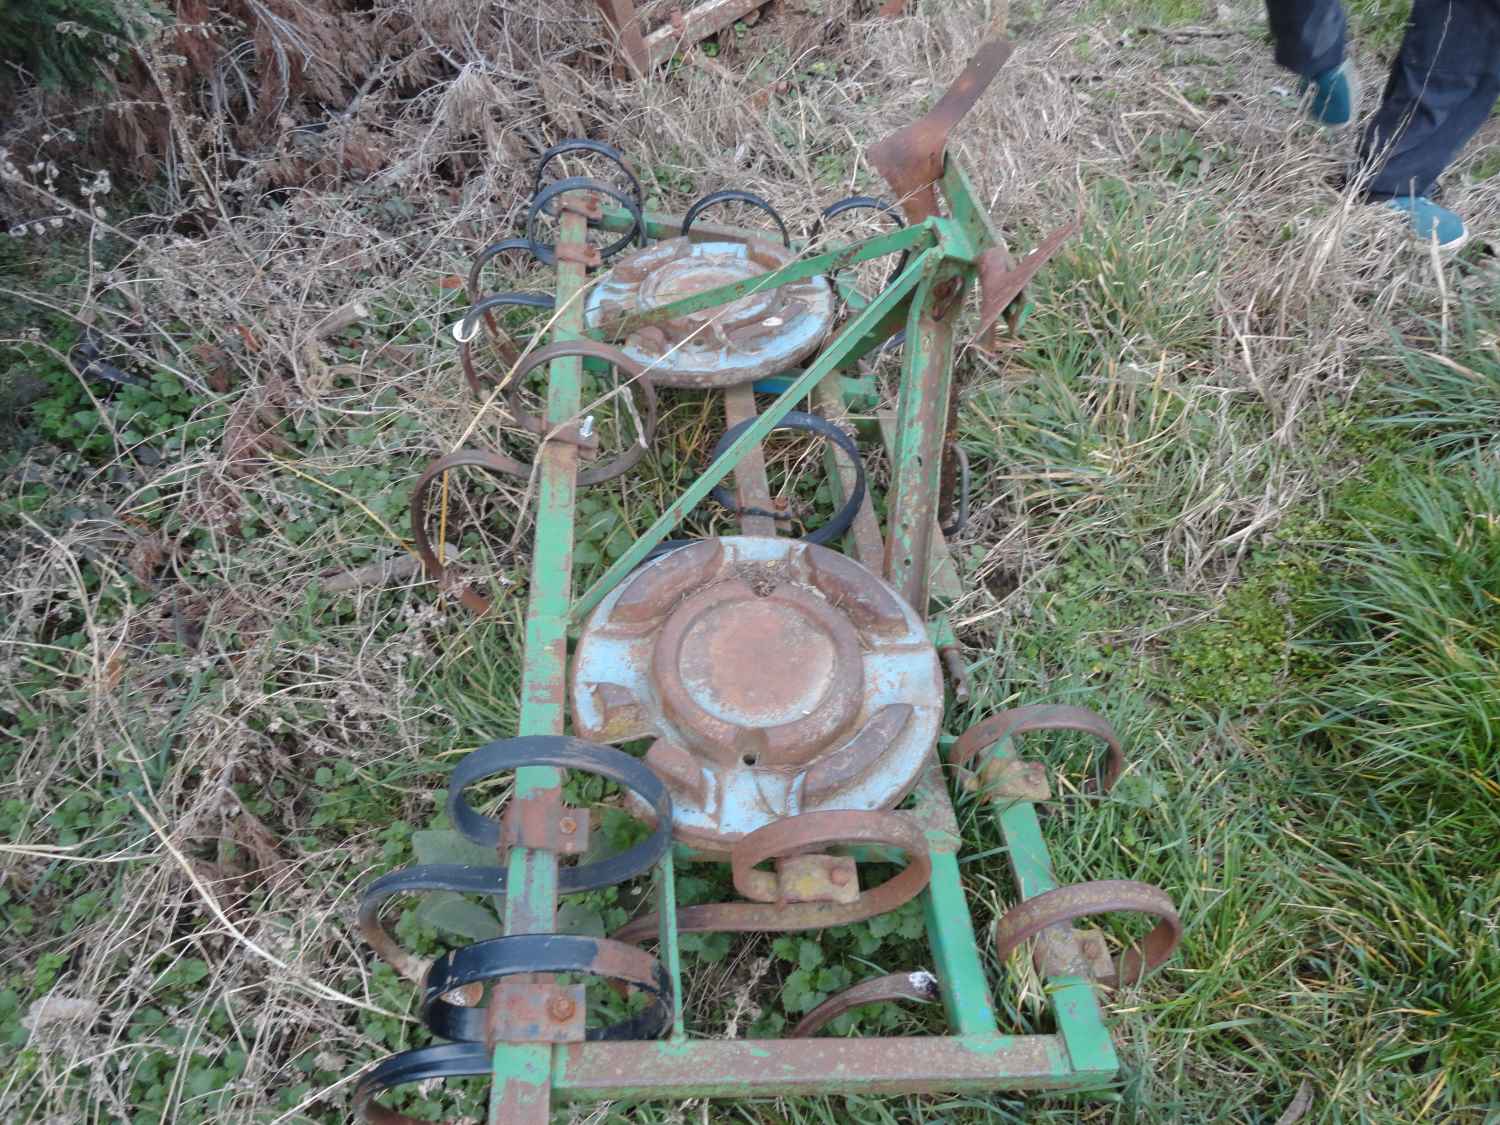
(943, 254)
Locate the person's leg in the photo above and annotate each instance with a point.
(1310, 40)
(1442, 87)
(1310, 35)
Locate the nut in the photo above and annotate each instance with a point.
(567, 826)
(839, 876)
(561, 1008)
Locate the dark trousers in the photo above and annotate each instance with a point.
(1443, 83)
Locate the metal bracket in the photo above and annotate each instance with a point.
(537, 822)
(1015, 779)
(1061, 951)
(530, 1010)
(812, 878)
(584, 254)
(585, 203)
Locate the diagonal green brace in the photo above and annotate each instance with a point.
(722, 465)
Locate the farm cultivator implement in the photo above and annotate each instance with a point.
(791, 696)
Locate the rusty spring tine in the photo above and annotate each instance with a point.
(911, 158)
(1027, 919)
(1038, 717)
(597, 148)
(500, 464)
(638, 384)
(920, 986)
(734, 195)
(447, 1060)
(798, 835)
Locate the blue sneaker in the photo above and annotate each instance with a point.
(1429, 221)
(1335, 98)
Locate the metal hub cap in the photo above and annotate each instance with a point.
(758, 335)
(776, 677)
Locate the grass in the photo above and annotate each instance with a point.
(1236, 489)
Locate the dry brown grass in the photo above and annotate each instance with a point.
(434, 160)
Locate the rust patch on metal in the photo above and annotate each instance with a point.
(583, 254)
(1001, 283)
(846, 584)
(651, 595)
(621, 711)
(535, 1009)
(774, 676)
(540, 821)
(911, 158)
(1058, 907)
(1016, 780)
(808, 878)
(859, 755)
(679, 770)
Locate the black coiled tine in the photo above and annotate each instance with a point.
(488, 254)
(734, 195)
(811, 423)
(559, 188)
(961, 516)
(862, 203)
(597, 148)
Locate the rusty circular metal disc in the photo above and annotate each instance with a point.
(756, 336)
(776, 678)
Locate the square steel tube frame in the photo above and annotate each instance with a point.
(978, 1057)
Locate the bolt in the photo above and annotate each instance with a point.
(561, 1008)
(567, 826)
(839, 876)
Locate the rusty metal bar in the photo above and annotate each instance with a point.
(750, 485)
(688, 27)
(625, 22)
(769, 1068)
